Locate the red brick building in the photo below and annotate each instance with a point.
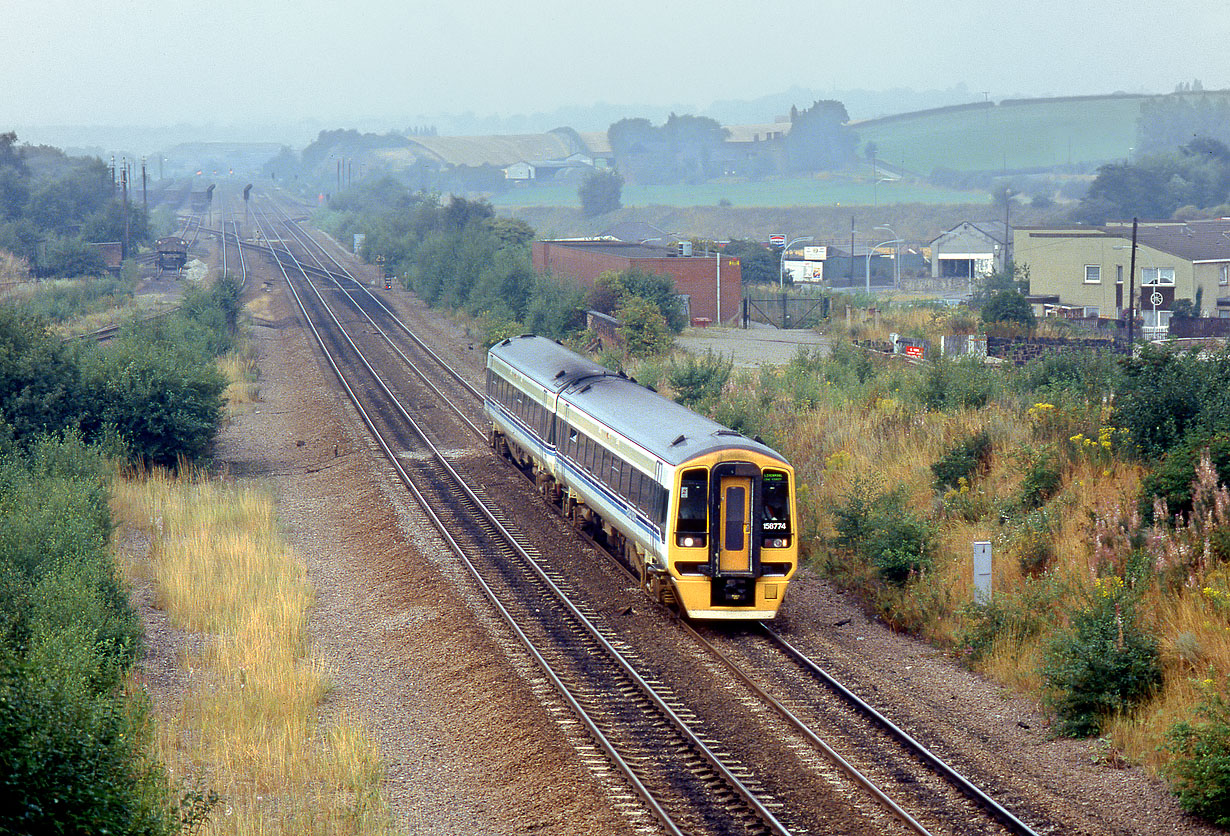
(695, 276)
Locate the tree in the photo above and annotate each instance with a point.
(600, 192)
(758, 264)
(1009, 306)
(819, 138)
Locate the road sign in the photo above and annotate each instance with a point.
(777, 240)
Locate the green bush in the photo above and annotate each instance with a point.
(962, 461)
(879, 528)
(957, 384)
(1199, 767)
(699, 380)
(1172, 479)
(1104, 663)
(1167, 396)
(642, 327)
(1017, 616)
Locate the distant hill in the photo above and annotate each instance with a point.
(1012, 135)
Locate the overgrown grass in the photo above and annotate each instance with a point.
(250, 722)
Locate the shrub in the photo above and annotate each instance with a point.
(1104, 663)
(1171, 481)
(642, 327)
(962, 461)
(1018, 616)
(879, 528)
(1042, 480)
(699, 380)
(965, 383)
(1199, 768)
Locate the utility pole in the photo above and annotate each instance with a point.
(1132, 289)
(124, 188)
(851, 251)
(144, 197)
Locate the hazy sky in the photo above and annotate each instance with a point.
(278, 61)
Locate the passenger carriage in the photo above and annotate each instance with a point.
(704, 514)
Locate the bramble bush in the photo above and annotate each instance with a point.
(1105, 662)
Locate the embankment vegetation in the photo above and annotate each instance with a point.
(1098, 479)
(76, 753)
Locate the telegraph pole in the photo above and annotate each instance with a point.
(124, 188)
(1132, 290)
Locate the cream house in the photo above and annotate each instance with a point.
(1085, 271)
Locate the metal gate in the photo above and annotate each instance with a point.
(786, 312)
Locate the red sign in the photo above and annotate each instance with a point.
(777, 240)
(914, 351)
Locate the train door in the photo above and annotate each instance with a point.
(735, 524)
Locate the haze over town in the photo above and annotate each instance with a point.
(284, 70)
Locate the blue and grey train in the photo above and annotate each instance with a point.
(705, 515)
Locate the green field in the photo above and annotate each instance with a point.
(1013, 137)
(827, 190)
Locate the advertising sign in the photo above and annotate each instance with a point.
(815, 253)
(777, 240)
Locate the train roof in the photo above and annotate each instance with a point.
(668, 430)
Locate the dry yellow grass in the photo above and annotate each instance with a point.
(249, 727)
(242, 374)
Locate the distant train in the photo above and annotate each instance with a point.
(171, 253)
(704, 514)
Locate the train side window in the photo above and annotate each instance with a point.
(693, 501)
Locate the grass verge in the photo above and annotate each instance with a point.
(249, 724)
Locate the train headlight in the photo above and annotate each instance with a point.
(690, 541)
(776, 542)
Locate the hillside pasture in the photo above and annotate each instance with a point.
(1009, 137)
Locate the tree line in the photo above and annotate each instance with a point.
(52, 205)
(458, 254)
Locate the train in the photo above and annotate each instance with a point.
(171, 253)
(705, 516)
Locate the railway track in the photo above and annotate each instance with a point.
(869, 749)
(685, 784)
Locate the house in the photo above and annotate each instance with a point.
(1086, 270)
(712, 285)
(972, 249)
(546, 169)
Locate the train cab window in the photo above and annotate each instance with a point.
(692, 524)
(775, 513)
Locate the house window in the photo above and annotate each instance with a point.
(1223, 278)
(1118, 274)
(1157, 276)
(1093, 274)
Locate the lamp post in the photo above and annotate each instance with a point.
(781, 262)
(875, 189)
(869, 254)
(896, 253)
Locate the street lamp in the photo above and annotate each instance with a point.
(896, 254)
(781, 262)
(869, 254)
(875, 189)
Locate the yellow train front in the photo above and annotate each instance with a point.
(704, 514)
